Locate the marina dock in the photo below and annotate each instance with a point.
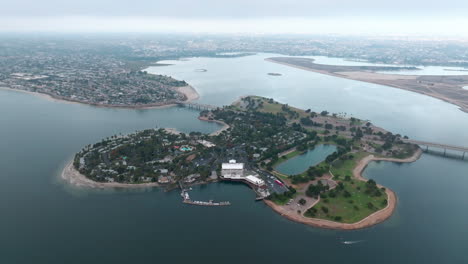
(187, 200)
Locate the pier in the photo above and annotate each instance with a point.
(209, 203)
(463, 150)
(187, 200)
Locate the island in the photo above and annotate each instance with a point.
(448, 88)
(274, 74)
(258, 134)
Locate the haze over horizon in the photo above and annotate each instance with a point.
(259, 17)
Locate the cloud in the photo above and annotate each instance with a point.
(231, 8)
(267, 25)
(237, 16)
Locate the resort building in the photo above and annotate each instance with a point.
(206, 143)
(232, 169)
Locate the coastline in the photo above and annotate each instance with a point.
(219, 131)
(347, 75)
(188, 91)
(70, 175)
(371, 220)
(75, 178)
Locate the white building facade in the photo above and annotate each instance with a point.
(232, 169)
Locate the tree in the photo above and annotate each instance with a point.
(315, 190)
(324, 209)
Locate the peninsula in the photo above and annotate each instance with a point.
(448, 88)
(259, 133)
(127, 90)
(90, 74)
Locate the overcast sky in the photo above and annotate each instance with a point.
(238, 16)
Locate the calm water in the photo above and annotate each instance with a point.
(423, 70)
(302, 162)
(45, 221)
(397, 110)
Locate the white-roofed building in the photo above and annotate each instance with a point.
(232, 169)
(255, 180)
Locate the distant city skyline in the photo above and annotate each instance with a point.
(447, 18)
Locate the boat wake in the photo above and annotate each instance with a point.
(352, 242)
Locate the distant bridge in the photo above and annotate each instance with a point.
(197, 106)
(426, 144)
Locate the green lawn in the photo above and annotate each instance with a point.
(353, 208)
(341, 168)
(271, 108)
(349, 209)
(275, 108)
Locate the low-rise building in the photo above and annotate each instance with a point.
(255, 180)
(163, 179)
(232, 169)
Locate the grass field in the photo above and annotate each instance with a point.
(354, 206)
(341, 168)
(349, 209)
(275, 108)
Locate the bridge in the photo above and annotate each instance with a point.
(426, 144)
(197, 106)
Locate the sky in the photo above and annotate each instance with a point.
(397, 17)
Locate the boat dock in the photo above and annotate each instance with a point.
(187, 200)
(209, 203)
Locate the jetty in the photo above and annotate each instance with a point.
(187, 200)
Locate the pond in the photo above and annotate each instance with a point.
(301, 163)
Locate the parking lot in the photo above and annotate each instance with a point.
(270, 182)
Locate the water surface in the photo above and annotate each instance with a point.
(46, 221)
(422, 70)
(404, 112)
(301, 163)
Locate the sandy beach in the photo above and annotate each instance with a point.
(371, 220)
(73, 177)
(217, 132)
(446, 88)
(42, 95)
(188, 91)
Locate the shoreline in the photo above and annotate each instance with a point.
(75, 178)
(460, 106)
(188, 91)
(219, 131)
(371, 220)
